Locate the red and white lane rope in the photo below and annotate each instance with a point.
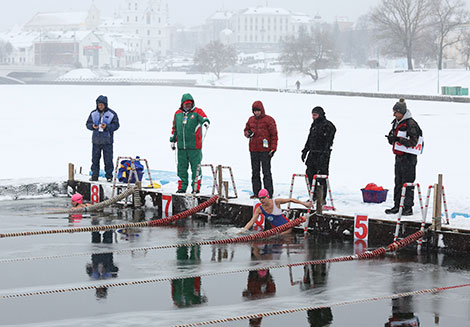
(241, 239)
(368, 255)
(159, 222)
(337, 304)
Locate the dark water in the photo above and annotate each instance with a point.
(220, 296)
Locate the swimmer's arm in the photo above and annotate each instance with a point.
(307, 204)
(253, 219)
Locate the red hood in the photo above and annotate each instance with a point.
(259, 104)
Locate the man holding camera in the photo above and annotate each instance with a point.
(262, 131)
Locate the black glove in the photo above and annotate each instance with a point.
(392, 138)
(249, 134)
(304, 155)
(271, 154)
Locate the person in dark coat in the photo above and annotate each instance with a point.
(317, 149)
(262, 131)
(406, 131)
(103, 122)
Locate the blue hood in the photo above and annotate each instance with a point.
(102, 99)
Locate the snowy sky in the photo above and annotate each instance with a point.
(184, 11)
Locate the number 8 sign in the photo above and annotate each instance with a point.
(361, 227)
(94, 193)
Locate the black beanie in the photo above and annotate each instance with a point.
(400, 106)
(318, 110)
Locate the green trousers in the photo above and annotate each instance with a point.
(186, 158)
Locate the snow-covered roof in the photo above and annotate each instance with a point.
(301, 19)
(221, 15)
(20, 39)
(266, 11)
(58, 18)
(65, 35)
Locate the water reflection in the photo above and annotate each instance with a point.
(102, 265)
(402, 308)
(316, 276)
(187, 292)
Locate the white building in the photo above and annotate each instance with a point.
(64, 21)
(146, 19)
(22, 47)
(72, 48)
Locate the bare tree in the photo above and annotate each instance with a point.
(447, 16)
(400, 23)
(5, 49)
(215, 57)
(308, 53)
(464, 48)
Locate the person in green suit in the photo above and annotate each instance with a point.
(187, 136)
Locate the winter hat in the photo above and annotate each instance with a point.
(102, 99)
(318, 110)
(400, 106)
(77, 197)
(263, 193)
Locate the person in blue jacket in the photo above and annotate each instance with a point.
(103, 122)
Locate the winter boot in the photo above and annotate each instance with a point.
(180, 187)
(393, 210)
(407, 211)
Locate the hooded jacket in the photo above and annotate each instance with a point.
(263, 128)
(186, 130)
(321, 135)
(410, 126)
(108, 117)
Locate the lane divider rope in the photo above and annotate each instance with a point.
(338, 304)
(159, 222)
(390, 248)
(363, 256)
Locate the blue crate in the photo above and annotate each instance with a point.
(374, 196)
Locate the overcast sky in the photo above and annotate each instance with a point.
(189, 12)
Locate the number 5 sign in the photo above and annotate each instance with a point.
(361, 227)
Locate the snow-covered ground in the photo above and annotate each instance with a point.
(43, 129)
(359, 80)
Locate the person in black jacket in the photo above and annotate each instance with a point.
(317, 149)
(406, 131)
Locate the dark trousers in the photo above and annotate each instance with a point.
(107, 156)
(405, 172)
(258, 160)
(318, 164)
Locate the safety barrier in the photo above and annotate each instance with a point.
(400, 211)
(444, 201)
(363, 256)
(214, 176)
(328, 187)
(158, 222)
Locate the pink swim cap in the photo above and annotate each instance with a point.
(77, 197)
(262, 273)
(263, 193)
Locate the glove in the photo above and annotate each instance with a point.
(206, 125)
(249, 134)
(173, 146)
(392, 138)
(304, 155)
(271, 153)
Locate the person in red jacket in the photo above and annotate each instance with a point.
(262, 131)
